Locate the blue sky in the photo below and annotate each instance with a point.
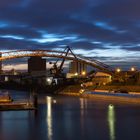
(105, 29)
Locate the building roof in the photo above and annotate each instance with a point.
(102, 74)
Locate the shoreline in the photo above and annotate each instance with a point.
(106, 98)
(106, 91)
(130, 88)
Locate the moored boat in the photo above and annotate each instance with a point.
(5, 99)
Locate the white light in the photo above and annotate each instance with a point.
(83, 73)
(118, 70)
(76, 74)
(111, 121)
(82, 103)
(48, 79)
(54, 101)
(111, 106)
(49, 117)
(132, 69)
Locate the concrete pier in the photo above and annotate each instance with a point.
(106, 98)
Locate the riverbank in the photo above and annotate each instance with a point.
(30, 87)
(130, 88)
(111, 99)
(104, 88)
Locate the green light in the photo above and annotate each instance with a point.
(111, 121)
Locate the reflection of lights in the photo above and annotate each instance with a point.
(111, 121)
(49, 117)
(82, 109)
(54, 101)
(81, 103)
(81, 91)
(111, 106)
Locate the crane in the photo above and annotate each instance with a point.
(57, 70)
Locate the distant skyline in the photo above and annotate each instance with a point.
(105, 29)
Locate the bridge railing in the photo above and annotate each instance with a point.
(95, 62)
(57, 54)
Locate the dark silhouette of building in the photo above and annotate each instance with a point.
(36, 64)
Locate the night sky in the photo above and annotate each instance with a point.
(108, 30)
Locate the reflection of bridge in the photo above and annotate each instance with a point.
(66, 54)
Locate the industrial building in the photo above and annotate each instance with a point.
(78, 68)
(101, 78)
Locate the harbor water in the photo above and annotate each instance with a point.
(70, 118)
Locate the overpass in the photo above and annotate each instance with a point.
(67, 54)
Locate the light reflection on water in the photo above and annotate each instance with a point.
(111, 121)
(70, 118)
(82, 108)
(49, 117)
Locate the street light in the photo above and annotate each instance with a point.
(118, 70)
(76, 74)
(48, 80)
(132, 69)
(83, 73)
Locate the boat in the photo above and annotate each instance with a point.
(5, 99)
(17, 106)
(7, 103)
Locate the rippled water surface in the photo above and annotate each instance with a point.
(70, 118)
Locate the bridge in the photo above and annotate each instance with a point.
(67, 54)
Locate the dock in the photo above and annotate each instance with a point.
(107, 97)
(17, 106)
(7, 103)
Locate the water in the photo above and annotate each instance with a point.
(70, 118)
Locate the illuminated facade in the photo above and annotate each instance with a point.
(102, 78)
(78, 68)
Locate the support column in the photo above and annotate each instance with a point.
(36, 64)
(35, 100)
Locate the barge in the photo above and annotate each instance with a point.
(7, 103)
(16, 106)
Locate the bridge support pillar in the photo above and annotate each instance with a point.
(36, 64)
(35, 100)
(77, 67)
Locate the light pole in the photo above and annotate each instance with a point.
(118, 70)
(133, 69)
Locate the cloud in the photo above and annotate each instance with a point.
(101, 26)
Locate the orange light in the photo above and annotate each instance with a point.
(76, 74)
(132, 69)
(118, 70)
(83, 73)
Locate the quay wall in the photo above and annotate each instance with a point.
(107, 98)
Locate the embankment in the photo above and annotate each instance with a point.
(129, 88)
(105, 98)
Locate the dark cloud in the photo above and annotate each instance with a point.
(85, 45)
(132, 48)
(82, 24)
